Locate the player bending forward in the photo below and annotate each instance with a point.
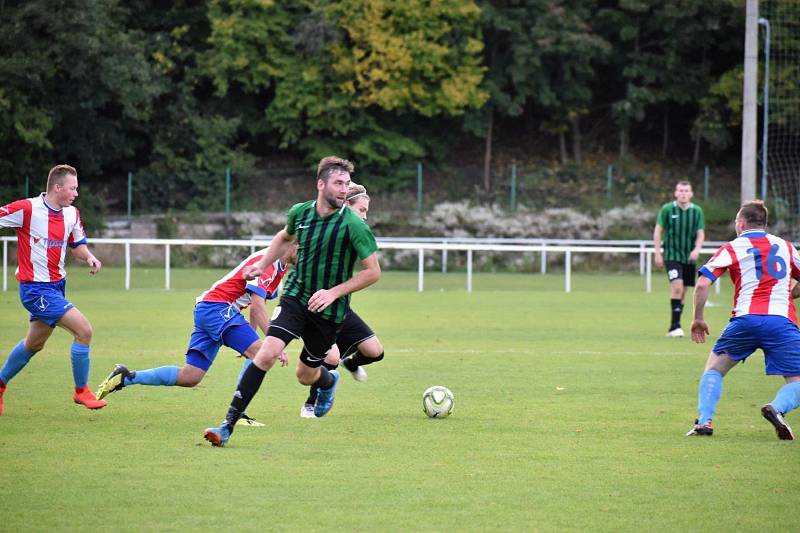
(218, 322)
(761, 267)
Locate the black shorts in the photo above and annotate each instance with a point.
(292, 320)
(685, 271)
(354, 331)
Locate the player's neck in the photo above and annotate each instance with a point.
(684, 205)
(324, 209)
(52, 202)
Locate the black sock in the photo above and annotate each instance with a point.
(248, 387)
(312, 395)
(676, 307)
(359, 359)
(325, 380)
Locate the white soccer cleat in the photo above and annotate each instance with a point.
(359, 375)
(307, 411)
(677, 332)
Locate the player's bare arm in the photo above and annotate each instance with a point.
(698, 245)
(277, 248)
(259, 319)
(796, 291)
(369, 274)
(82, 252)
(657, 233)
(699, 326)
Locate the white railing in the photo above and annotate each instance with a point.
(470, 246)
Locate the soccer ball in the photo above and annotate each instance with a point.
(437, 401)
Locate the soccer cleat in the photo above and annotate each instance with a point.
(775, 418)
(325, 397)
(84, 397)
(2, 391)
(218, 436)
(359, 374)
(705, 430)
(247, 421)
(677, 332)
(115, 381)
(307, 411)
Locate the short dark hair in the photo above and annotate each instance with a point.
(754, 213)
(683, 182)
(58, 173)
(333, 165)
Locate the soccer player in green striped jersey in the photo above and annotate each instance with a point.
(316, 296)
(680, 226)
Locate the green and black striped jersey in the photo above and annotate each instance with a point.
(680, 230)
(327, 252)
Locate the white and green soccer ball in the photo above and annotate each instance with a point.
(437, 401)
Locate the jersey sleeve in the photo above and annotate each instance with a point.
(363, 240)
(719, 263)
(78, 235)
(12, 215)
(291, 218)
(661, 219)
(254, 287)
(701, 219)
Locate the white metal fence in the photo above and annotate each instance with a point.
(423, 244)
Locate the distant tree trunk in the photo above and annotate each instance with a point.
(696, 156)
(623, 140)
(487, 159)
(665, 143)
(562, 146)
(576, 139)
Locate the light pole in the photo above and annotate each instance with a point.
(764, 127)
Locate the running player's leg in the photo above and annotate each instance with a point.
(21, 354)
(76, 323)
(331, 362)
(738, 341)
(359, 346)
(782, 357)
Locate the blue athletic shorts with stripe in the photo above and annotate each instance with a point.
(45, 300)
(217, 324)
(776, 335)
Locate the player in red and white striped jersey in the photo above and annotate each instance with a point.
(217, 322)
(761, 267)
(47, 226)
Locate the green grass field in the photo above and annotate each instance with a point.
(570, 414)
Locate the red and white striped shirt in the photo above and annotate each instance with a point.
(234, 289)
(761, 266)
(43, 234)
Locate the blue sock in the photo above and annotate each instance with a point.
(247, 362)
(17, 360)
(788, 397)
(708, 395)
(162, 375)
(79, 354)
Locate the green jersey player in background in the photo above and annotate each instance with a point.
(679, 227)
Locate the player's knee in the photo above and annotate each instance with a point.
(83, 334)
(189, 381)
(34, 345)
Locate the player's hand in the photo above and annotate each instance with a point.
(94, 265)
(693, 255)
(251, 272)
(320, 300)
(283, 358)
(699, 331)
(659, 259)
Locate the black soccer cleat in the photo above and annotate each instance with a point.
(775, 418)
(115, 381)
(705, 430)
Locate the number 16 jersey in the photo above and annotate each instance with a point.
(761, 266)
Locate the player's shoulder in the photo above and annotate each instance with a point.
(353, 220)
(301, 206)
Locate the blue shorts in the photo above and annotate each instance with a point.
(45, 300)
(777, 336)
(215, 325)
